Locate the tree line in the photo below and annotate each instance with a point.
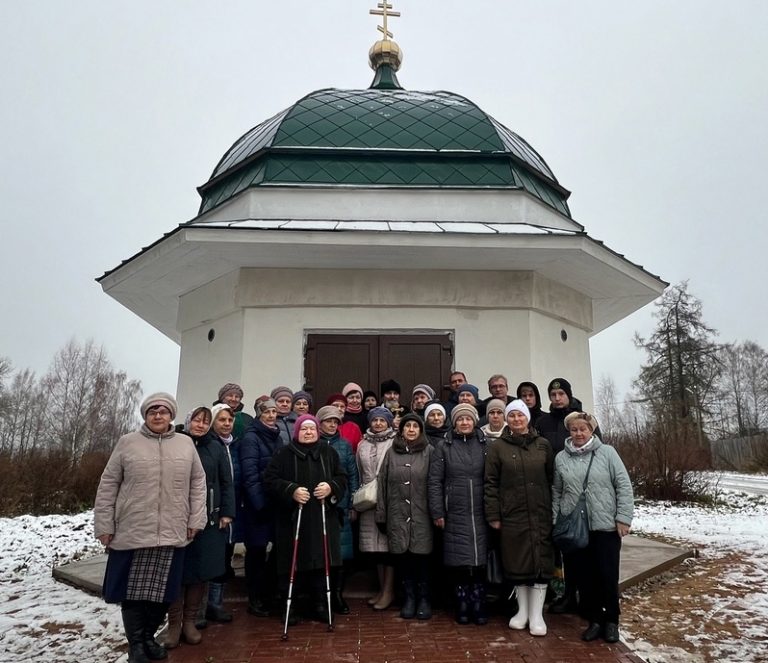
(58, 429)
(690, 390)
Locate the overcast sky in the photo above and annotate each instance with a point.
(654, 114)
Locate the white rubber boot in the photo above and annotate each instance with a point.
(520, 620)
(536, 625)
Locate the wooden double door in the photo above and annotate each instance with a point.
(332, 360)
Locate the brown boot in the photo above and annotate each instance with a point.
(171, 634)
(193, 594)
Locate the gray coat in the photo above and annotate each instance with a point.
(456, 472)
(609, 491)
(402, 497)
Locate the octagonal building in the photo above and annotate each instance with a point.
(361, 235)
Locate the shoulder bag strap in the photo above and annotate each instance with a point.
(589, 467)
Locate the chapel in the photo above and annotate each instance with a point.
(375, 233)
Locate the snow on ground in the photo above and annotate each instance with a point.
(45, 621)
(41, 619)
(729, 621)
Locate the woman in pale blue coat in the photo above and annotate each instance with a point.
(610, 507)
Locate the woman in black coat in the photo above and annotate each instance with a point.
(307, 473)
(260, 442)
(456, 472)
(204, 558)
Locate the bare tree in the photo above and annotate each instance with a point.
(89, 404)
(744, 388)
(607, 407)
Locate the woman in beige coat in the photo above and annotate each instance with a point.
(149, 505)
(370, 455)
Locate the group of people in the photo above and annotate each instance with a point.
(415, 489)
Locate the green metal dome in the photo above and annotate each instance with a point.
(387, 138)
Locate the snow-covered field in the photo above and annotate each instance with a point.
(45, 621)
(717, 604)
(42, 620)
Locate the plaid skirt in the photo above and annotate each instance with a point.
(144, 574)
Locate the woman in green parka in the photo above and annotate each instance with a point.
(519, 470)
(308, 473)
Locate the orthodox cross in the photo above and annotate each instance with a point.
(385, 12)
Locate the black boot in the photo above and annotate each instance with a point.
(566, 604)
(424, 607)
(462, 605)
(339, 605)
(155, 616)
(408, 611)
(478, 606)
(134, 624)
(215, 611)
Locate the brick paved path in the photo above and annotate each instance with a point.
(366, 636)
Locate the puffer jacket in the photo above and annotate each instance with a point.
(257, 447)
(609, 490)
(456, 474)
(343, 506)
(371, 449)
(285, 424)
(518, 476)
(402, 496)
(151, 491)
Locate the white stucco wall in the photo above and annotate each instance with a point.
(502, 322)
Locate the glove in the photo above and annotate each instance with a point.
(382, 528)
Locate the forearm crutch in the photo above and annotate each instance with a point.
(327, 567)
(292, 576)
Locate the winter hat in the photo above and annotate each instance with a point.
(217, 409)
(411, 417)
(335, 397)
(350, 387)
(424, 389)
(517, 406)
(470, 388)
(464, 408)
(390, 385)
(160, 398)
(380, 412)
(299, 395)
(279, 392)
(230, 386)
(264, 404)
(193, 413)
(495, 404)
(433, 406)
(302, 419)
(328, 412)
(561, 383)
(583, 416)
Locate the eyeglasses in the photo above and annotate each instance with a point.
(158, 412)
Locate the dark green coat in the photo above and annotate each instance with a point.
(204, 557)
(518, 477)
(302, 465)
(402, 496)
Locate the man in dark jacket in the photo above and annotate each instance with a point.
(562, 403)
(552, 427)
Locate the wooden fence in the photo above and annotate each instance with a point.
(741, 453)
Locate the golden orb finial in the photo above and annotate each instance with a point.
(385, 51)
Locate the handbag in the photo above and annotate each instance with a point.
(365, 497)
(571, 531)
